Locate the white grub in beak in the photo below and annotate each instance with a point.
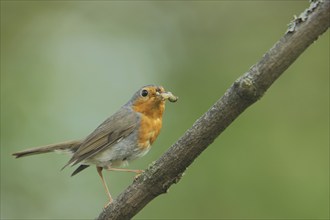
(168, 96)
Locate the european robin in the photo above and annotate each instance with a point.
(124, 136)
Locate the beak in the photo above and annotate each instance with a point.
(168, 96)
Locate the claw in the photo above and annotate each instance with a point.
(139, 172)
(107, 204)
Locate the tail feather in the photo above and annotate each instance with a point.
(71, 146)
(80, 168)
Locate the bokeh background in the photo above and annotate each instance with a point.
(66, 66)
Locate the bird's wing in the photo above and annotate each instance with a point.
(112, 130)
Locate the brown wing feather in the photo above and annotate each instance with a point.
(118, 126)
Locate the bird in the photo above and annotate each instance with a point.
(125, 136)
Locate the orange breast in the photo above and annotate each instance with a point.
(149, 130)
(151, 121)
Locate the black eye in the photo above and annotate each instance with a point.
(144, 93)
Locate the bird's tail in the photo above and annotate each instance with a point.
(68, 146)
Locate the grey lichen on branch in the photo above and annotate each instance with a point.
(245, 91)
(303, 16)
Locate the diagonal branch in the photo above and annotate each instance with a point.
(246, 90)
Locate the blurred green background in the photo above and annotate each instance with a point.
(66, 66)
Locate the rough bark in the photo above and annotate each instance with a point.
(245, 91)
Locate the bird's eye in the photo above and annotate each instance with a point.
(144, 93)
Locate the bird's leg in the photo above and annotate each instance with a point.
(99, 171)
(124, 170)
(138, 172)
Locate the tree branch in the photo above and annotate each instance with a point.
(246, 90)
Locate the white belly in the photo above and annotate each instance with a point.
(117, 155)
